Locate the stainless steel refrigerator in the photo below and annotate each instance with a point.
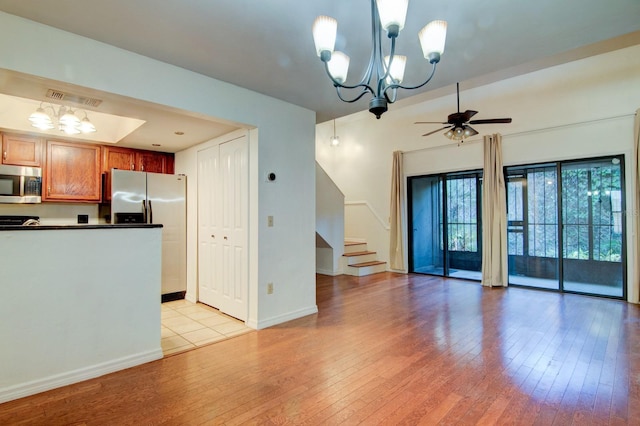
(141, 197)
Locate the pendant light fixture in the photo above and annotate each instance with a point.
(335, 140)
(388, 70)
(65, 117)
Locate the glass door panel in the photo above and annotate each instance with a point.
(426, 238)
(464, 245)
(593, 227)
(532, 226)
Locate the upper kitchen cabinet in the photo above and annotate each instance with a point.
(115, 158)
(118, 158)
(21, 150)
(154, 162)
(72, 172)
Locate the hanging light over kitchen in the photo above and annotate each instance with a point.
(64, 119)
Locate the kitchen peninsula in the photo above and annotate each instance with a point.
(78, 301)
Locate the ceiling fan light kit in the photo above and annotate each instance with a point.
(388, 70)
(458, 124)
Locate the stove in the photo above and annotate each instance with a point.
(19, 220)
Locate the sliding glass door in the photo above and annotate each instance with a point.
(445, 221)
(532, 226)
(565, 228)
(427, 215)
(464, 244)
(593, 227)
(583, 252)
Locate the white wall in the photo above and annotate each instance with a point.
(329, 225)
(286, 252)
(63, 318)
(575, 110)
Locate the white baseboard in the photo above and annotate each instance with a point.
(258, 325)
(328, 272)
(47, 383)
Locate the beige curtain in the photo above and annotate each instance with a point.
(494, 216)
(634, 293)
(396, 252)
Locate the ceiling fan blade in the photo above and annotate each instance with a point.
(468, 114)
(430, 122)
(491, 120)
(436, 131)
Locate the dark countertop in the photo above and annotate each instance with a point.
(81, 227)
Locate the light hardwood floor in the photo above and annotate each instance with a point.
(386, 349)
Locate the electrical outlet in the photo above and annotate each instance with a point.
(269, 288)
(269, 221)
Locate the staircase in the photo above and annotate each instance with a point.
(358, 261)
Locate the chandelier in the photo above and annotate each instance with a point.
(388, 71)
(64, 117)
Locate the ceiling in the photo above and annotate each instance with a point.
(230, 40)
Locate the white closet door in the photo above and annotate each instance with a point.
(209, 290)
(223, 202)
(234, 206)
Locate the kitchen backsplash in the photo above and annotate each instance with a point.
(54, 213)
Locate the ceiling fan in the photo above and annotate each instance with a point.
(458, 123)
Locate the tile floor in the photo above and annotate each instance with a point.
(187, 325)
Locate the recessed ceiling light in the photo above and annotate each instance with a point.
(179, 133)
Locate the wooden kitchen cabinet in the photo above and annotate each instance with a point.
(115, 158)
(21, 150)
(154, 162)
(72, 172)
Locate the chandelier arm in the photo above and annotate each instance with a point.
(385, 68)
(365, 90)
(393, 97)
(337, 84)
(399, 86)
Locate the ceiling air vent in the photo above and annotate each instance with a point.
(69, 97)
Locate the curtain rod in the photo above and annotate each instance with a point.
(526, 132)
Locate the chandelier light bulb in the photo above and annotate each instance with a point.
(69, 118)
(393, 14)
(68, 129)
(43, 126)
(87, 126)
(396, 73)
(339, 66)
(325, 29)
(432, 39)
(39, 116)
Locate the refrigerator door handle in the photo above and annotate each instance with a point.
(150, 212)
(144, 211)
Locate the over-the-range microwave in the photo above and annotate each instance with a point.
(20, 184)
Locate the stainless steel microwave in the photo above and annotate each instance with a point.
(20, 184)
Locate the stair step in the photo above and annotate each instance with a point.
(366, 268)
(358, 257)
(371, 263)
(354, 246)
(359, 253)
